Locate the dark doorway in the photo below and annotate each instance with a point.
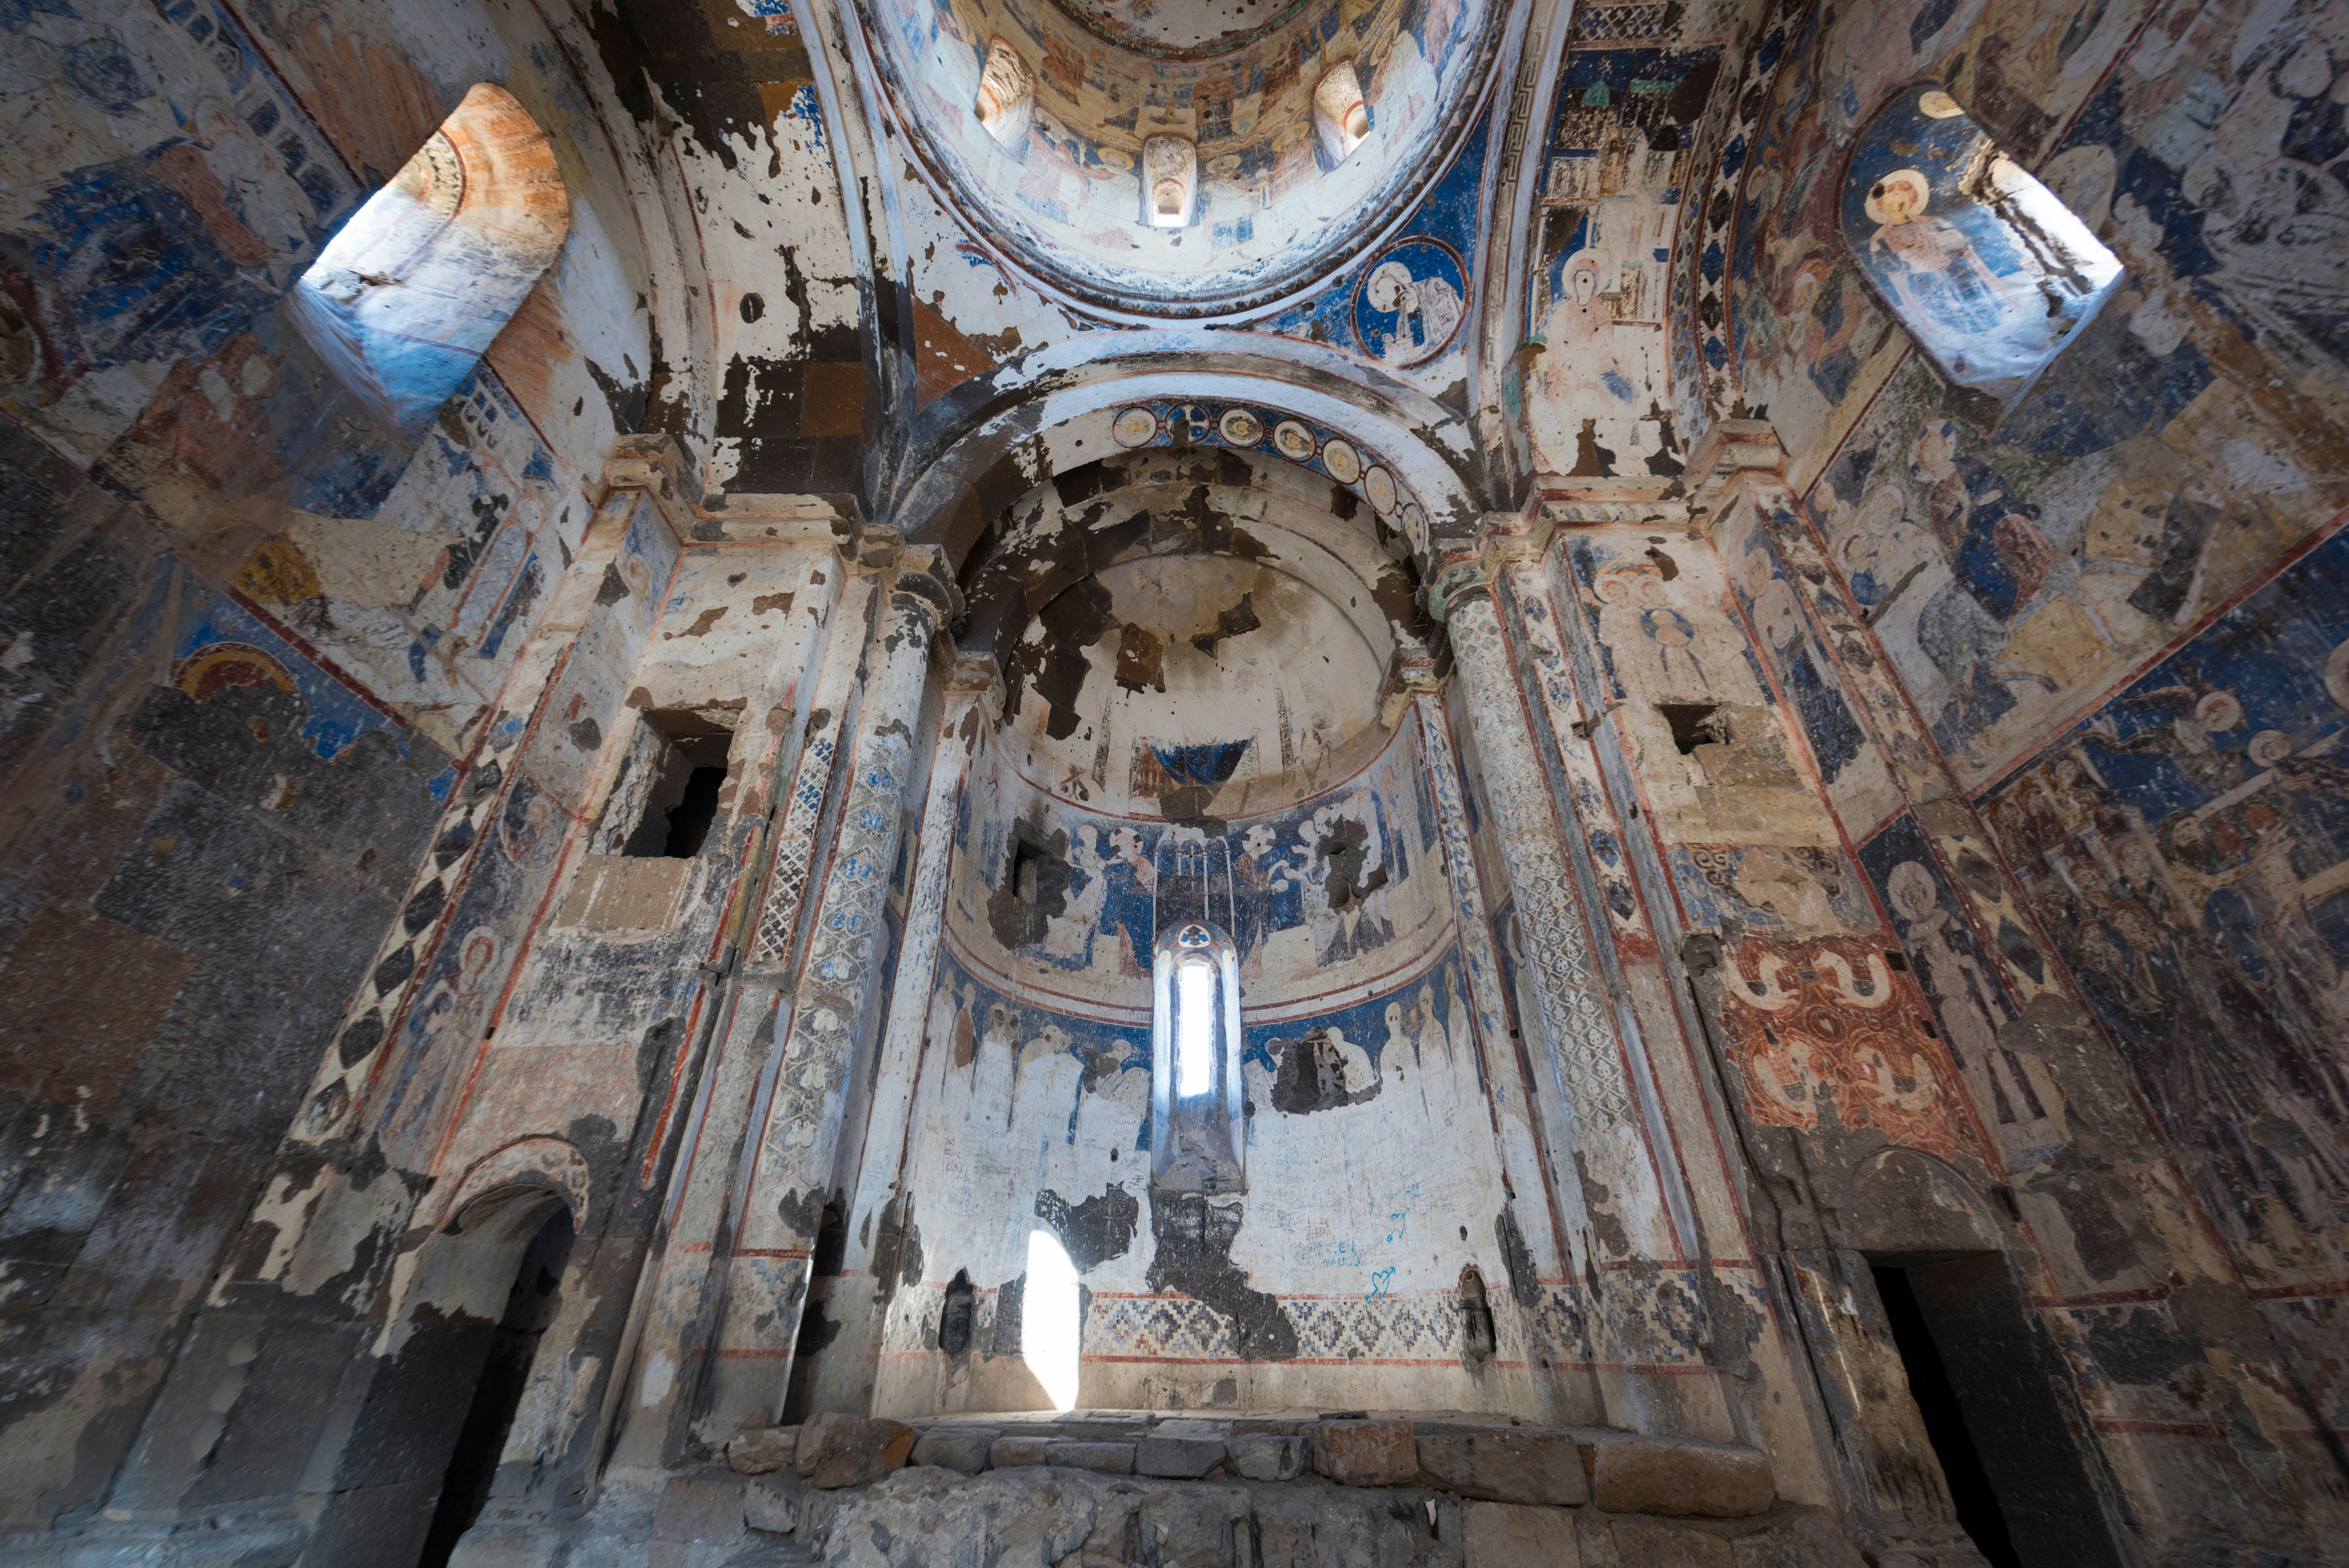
(1992, 1390)
(817, 1327)
(1945, 1423)
(474, 1467)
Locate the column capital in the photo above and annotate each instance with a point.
(655, 464)
(977, 677)
(1508, 537)
(1412, 671)
(1456, 578)
(920, 571)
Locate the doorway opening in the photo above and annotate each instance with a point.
(817, 1328)
(472, 1470)
(1976, 1504)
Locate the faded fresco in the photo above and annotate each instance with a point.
(2172, 448)
(2188, 850)
(1612, 174)
(1672, 648)
(1263, 191)
(2014, 1093)
(1331, 895)
(1801, 669)
(1663, 894)
(1744, 747)
(1987, 271)
(1037, 1119)
(1411, 307)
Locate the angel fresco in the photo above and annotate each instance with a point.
(1988, 272)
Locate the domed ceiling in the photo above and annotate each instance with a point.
(1185, 634)
(1276, 209)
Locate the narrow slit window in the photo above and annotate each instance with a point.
(1984, 266)
(1194, 1035)
(1197, 1137)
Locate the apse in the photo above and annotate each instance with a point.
(1201, 949)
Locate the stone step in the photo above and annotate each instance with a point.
(1049, 1516)
(1485, 1458)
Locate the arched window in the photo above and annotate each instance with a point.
(1988, 270)
(1195, 1061)
(1341, 118)
(403, 302)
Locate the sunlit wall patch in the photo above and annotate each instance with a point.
(1985, 267)
(405, 300)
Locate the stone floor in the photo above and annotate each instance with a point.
(1267, 1489)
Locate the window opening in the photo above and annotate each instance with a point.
(1695, 724)
(1194, 1029)
(689, 819)
(1170, 184)
(679, 765)
(1007, 97)
(1984, 266)
(1197, 1136)
(406, 298)
(1038, 877)
(1341, 118)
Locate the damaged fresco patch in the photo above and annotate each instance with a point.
(2183, 845)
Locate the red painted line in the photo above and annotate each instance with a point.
(2158, 1428)
(701, 999)
(308, 650)
(2103, 1298)
(2288, 1293)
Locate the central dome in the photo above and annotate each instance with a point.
(1079, 87)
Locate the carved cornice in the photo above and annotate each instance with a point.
(656, 465)
(1729, 452)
